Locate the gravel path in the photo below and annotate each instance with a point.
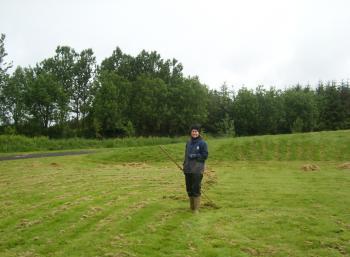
(41, 155)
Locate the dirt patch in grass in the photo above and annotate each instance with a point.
(344, 166)
(140, 165)
(35, 165)
(250, 251)
(210, 205)
(25, 223)
(210, 177)
(174, 197)
(310, 167)
(139, 205)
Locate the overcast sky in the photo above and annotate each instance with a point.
(240, 42)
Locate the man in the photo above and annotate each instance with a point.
(195, 155)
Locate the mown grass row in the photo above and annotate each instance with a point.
(9, 144)
(69, 206)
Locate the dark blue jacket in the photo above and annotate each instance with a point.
(195, 155)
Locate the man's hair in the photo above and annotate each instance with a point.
(196, 127)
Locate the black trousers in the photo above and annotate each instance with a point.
(193, 184)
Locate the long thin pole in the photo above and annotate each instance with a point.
(174, 161)
(169, 156)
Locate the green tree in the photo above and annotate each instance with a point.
(246, 112)
(220, 110)
(148, 105)
(270, 111)
(81, 94)
(297, 126)
(13, 93)
(226, 127)
(42, 99)
(158, 92)
(122, 64)
(333, 105)
(3, 79)
(4, 66)
(75, 72)
(110, 105)
(344, 93)
(187, 104)
(300, 103)
(62, 66)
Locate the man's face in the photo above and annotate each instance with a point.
(194, 133)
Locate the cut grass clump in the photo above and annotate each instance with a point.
(90, 208)
(345, 165)
(310, 167)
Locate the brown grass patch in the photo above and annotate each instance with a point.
(310, 167)
(139, 205)
(250, 251)
(140, 165)
(25, 223)
(210, 204)
(211, 177)
(344, 166)
(35, 165)
(174, 197)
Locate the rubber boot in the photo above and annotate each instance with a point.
(191, 203)
(197, 202)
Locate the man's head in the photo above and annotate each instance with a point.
(195, 131)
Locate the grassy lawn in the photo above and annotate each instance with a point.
(112, 203)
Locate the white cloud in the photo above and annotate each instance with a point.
(241, 42)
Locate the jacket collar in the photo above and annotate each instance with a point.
(195, 140)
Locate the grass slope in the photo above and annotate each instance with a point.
(131, 202)
(10, 144)
(318, 146)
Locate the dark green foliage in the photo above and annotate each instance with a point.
(296, 109)
(3, 80)
(13, 101)
(220, 111)
(271, 114)
(110, 106)
(334, 105)
(3, 65)
(68, 95)
(75, 72)
(156, 100)
(300, 108)
(246, 112)
(226, 127)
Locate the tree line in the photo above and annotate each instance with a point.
(295, 109)
(70, 95)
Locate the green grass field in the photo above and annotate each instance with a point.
(132, 202)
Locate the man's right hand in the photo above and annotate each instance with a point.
(194, 156)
